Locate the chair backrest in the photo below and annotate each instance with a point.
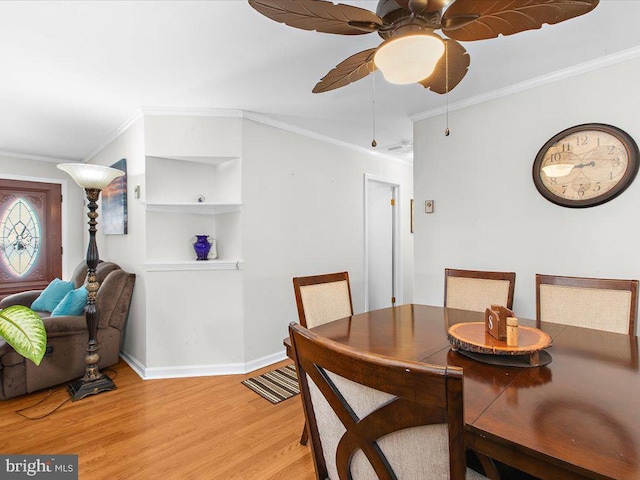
(322, 298)
(114, 297)
(79, 275)
(476, 290)
(378, 417)
(598, 303)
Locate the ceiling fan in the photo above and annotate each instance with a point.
(411, 51)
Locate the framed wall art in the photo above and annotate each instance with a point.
(114, 203)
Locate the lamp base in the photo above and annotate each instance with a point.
(80, 388)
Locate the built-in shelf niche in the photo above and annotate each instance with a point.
(197, 208)
(178, 229)
(183, 180)
(173, 185)
(193, 265)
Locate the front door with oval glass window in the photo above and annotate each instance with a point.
(30, 235)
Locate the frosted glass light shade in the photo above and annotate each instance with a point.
(558, 170)
(410, 58)
(91, 176)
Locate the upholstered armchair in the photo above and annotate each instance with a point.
(67, 335)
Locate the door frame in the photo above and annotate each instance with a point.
(66, 273)
(397, 238)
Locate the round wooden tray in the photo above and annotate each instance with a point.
(473, 337)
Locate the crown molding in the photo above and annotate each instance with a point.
(38, 158)
(266, 120)
(580, 69)
(136, 116)
(235, 113)
(159, 111)
(192, 112)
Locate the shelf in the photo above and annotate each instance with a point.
(194, 207)
(197, 159)
(193, 265)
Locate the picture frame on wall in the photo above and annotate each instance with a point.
(114, 203)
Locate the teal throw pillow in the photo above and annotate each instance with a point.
(72, 304)
(51, 296)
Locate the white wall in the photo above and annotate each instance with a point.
(128, 250)
(195, 319)
(303, 214)
(488, 213)
(74, 216)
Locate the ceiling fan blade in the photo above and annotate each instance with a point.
(506, 17)
(459, 61)
(348, 71)
(319, 15)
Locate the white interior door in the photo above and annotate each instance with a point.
(381, 206)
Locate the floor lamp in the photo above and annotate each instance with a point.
(93, 178)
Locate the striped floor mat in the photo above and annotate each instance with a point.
(276, 385)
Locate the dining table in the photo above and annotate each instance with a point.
(575, 418)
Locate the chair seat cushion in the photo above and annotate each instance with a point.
(52, 295)
(72, 304)
(473, 475)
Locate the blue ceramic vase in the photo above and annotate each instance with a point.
(202, 246)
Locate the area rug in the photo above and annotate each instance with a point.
(276, 385)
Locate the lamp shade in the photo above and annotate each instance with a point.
(91, 176)
(409, 58)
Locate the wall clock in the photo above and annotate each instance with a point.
(586, 165)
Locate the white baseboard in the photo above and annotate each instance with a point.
(133, 362)
(200, 370)
(264, 361)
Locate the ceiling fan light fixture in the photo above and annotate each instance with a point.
(409, 58)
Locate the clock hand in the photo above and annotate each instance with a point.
(590, 164)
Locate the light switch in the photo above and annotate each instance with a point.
(428, 206)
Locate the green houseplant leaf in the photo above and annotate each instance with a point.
(24, 330)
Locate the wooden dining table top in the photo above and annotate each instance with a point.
(575, 418)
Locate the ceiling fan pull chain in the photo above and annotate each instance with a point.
(373, 142)
(446, 73)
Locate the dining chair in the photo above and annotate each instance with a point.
(321, 299)
(476, 290)
(372, 416)
(599, 303)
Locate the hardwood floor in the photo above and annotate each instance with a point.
(191, 428)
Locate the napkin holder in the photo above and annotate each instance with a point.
(495, 321)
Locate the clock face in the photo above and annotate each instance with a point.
(586, 165)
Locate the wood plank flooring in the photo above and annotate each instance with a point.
(192, 428)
